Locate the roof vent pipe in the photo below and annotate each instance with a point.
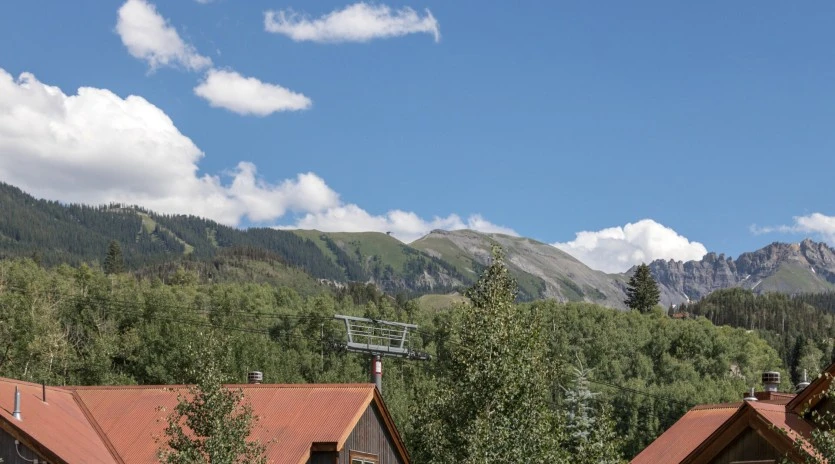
(771, 381)
(802, 385)
(255, 377)
(16, 413)
(750, 396)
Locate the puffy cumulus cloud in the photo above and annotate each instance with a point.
(404, 225)
(815, 223)
(248, 95)
(96, 147)
(360, 22)
(616, 249)
(148, 36)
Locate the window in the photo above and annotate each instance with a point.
(363, 458)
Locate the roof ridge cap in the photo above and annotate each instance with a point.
(228, 385)
(708, 406)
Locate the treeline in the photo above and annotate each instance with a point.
(76, 325)
(801, 328)
(53, 233)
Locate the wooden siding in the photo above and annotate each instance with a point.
(749, 446)
(371, 436)
(8, 453)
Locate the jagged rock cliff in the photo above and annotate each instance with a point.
(807, 266)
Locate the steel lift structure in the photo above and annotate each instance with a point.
(378, 339)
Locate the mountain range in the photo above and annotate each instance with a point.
(442, 262)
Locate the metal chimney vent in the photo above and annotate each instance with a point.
(750, 396)
(771, 381)
(16, 413)
(802, 385)
(255, 377)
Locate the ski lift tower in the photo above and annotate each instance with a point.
(379, 338)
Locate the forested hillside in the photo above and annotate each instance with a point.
(801, 328)
(53, 233)
(76, 325)
(442, 262)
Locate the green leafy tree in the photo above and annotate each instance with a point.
(211, 424)
(492, 399)
(589, 428)
(819, 446)
(114, 263)
(642, 292)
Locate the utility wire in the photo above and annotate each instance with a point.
(639, 392)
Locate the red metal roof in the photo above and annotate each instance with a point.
(781, 417)
(701, 425)
(290, 417)
(685, 435)
(59, 425)
(125, 424)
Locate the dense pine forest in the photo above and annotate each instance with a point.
(800, 327)
(53, 233)
(78, 325)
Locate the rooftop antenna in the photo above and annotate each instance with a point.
(378, 339)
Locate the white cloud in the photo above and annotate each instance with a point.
(616, 249)
(404, 225)
(360, 22)
(815, 223)
(96, 147)
(248, 95)
(148, 36)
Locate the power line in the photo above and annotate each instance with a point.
(193, 308)
(639, 392)
(126, 308)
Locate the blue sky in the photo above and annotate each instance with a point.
(711, 119)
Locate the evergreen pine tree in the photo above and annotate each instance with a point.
(642, 292)
(589, 430)
(113, 262)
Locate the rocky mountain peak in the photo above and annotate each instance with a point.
(807, 266)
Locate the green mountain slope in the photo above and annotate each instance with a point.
(387, 262)
(442, 262)
(541, 270)
(55, 233)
